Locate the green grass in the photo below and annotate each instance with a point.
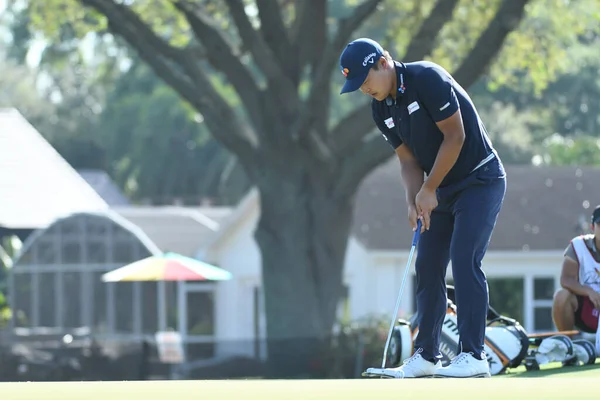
(555, 370)
(581, 383)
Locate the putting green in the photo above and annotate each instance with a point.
(581, 388)
(555, 370)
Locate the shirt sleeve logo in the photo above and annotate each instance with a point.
(389, 122)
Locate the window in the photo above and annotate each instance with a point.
(123, 252)
(149, 307)
(45, 251)
(123, 306)
(507, 296)
(200, 313)
(47, 297)
(543, 288)
(97, 228)
(543, 292)
(23, 286)
(71, 252)
(99, 295)
(72, 227)
(97, 252)
(26, 258)
(542, 319)
(71, 302)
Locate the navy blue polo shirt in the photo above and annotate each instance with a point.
(427, 94)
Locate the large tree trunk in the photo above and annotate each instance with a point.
(302, 233)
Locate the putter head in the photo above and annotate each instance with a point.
(383, 373)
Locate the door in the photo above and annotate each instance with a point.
(197, 316)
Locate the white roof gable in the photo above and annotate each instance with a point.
(38, 185)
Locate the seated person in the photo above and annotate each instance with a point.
(577, 304)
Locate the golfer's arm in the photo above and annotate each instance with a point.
(411, 172)
(454, 136)
(569, 278)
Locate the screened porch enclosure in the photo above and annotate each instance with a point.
(57, 281)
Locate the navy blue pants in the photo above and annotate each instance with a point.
(460, 231)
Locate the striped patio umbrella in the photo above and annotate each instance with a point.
(167, 267)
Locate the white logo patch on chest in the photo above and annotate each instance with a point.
(412, 107)
(389, 122)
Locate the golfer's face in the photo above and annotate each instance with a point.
(377, 84)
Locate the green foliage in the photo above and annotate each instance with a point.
(62, 19)
(509, 130)
(534, 54)
(558, 150)
(470, 19)
(5, 312)
(507, 297)
(537, 52)
(97, 107)
(357, 346)
(176, 143)
(557, 126)
(17, 89)
(539, 84)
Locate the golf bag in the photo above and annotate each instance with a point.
(507, 344)
(506, 341)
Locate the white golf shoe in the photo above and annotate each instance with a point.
(413, 367)
(465, 365)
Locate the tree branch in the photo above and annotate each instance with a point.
(284, 91)
(155, 51)
(348, 25)
(219, 52)
(121, 13)
(310, 31)
(423, 42)
(273, 29)
(356, 166)
(353, 129)
(490, 42)
(196, 88)
(318, 99)
(221, 119)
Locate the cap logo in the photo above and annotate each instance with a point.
(369, 59)
(345, 72)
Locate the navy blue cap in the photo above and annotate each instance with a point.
(596, 216)
(356, 61)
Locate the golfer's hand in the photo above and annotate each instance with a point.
(595, 299)
(426, 202)
(413, 217)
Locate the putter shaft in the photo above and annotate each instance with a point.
(401, 292)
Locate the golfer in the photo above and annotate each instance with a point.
(433, 126)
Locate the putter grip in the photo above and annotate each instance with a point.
(417, 233)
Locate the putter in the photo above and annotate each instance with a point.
(381, 372)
